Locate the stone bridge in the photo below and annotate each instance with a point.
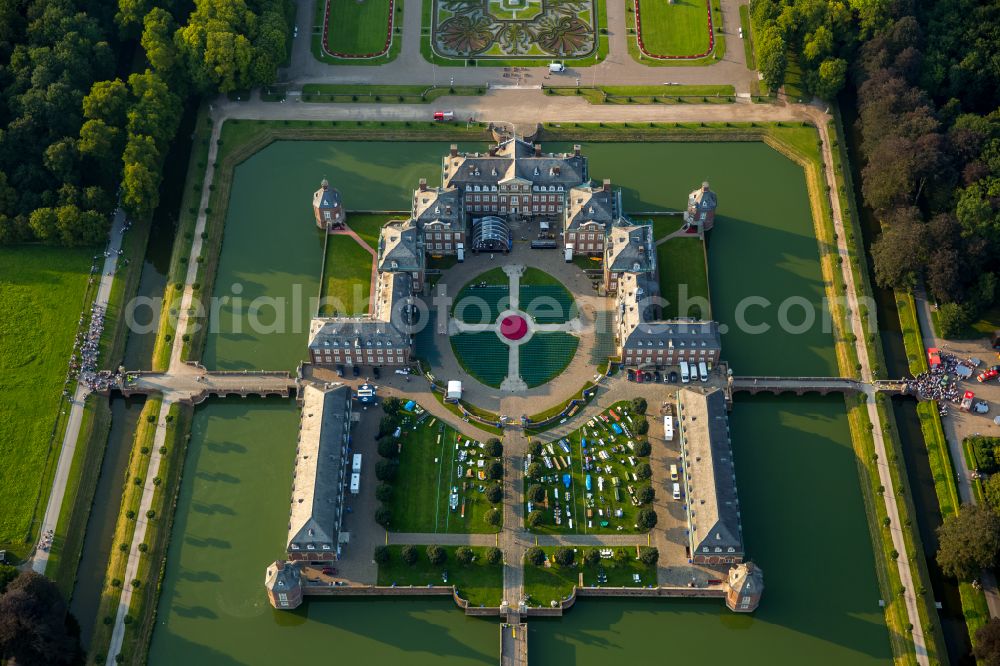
(192, 383)
(821, 385)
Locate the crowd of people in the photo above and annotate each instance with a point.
(940, 383)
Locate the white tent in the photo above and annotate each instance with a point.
(454, 390)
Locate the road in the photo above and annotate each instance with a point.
(67, 450)
(618, 68)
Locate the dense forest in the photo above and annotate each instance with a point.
(90, 100)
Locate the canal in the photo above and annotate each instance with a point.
(918, 470)
(803, 515)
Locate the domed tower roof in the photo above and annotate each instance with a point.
(325, 183)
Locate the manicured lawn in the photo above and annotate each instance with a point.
(577, 500)
(793, 80)
(683, 275)
(664, 225)
(747, 36)
(545, 298)
(544, 584)
(480, 583)
(357, 28)
(674, 29)
(41, 298)
(482, 355)
(545, 356)
(346, 277)
(368, 226)
(428, 470)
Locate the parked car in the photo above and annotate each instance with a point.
(981, 407)
(986, 376)
(557, 67)
(657, 377)
(329, 571)
(631, 375)
(995, 367)
(638, 377)
(672, 378)
(375, 371)
(356, 370)
(648, 376)
(444, 116)
(340, 370)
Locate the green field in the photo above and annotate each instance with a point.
(346, 277)
(428, 470)
(674, 29)
(357, 28)
(41, 297)
(683, 273)
(545, 298)
(580, 500)
(480, 582)
(545, 356)
(545, 584)
(368, 226)
(482, 355)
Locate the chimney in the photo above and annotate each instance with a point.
(576, 150)
(606, 185)
(453, 151)
(423, 184)
(538, 150)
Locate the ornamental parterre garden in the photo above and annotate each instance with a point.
(596, 480)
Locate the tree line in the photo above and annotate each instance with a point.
(72, 131)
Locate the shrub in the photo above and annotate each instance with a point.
(643, 470)
(494, 493)
(409, 555)
(535, 556)
(646, 519)
(641, 425)
(388, 447)
(386, 426)
(385, 470)
(494, 470)
(391, 406)
(494, 517)
(564, 557)
(383, 493)
(383, 516)
(535, 470)
(493, 448)
(535, 449)
(645, 495)
(463, 554)
(591, 557)
(534, 519)
(643, 449)
(436, 555)
(649, 556)
(381, 555)
(536, 493)
(639, 405)
(494, 555)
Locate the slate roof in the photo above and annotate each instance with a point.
(317, 489)
(514, 159)
(400, 247)
(591, 204)
(326, 197)
(709, 475)
(629, 247)
(436, 205)
(703, 198)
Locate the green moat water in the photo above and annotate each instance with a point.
(802, 510)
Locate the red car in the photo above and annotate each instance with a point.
(329, 571)
(988, 375)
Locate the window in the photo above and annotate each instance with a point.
(399, 359)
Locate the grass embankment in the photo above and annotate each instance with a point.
(679, 28)
(43, 291)
(387, 94)
(472, 409)
(142, 446)
(748, 50)
(585, 393)
(368, 226)
(368, 31)
(346, 290)
(431, 55)
(545, 584)
(479, 582)
(429, 468)
(577, 500)
(706, 94)
(631, 38)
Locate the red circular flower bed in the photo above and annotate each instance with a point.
(513, 327)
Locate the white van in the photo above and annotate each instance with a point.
(677, 491)
(673, 472)
(685, 375)
(556, 67)
(702, 371)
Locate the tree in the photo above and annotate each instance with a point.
(968, 541)
(34, 623)
(535, 556)
(158, 29)
(385, 470)
(591, 557)
(535, 449)
(494, 517)
(383, 516)
(391, 406)
(831, 76)
(409, 555)
(7, 574)
(536, 493)
(107, 101)
(494, 555)
(899, 251)
(436, 555)
(649, 556)
(641, 425)
(621, 557)
(494, 493)
(953, 319)
(383, 493)
(493, 448)
(987, 643)
(639, 405)
(645, 495)
(991, 489)
(494, 470)
(386, 425)
(534, 519)
(381, 555)
(463, 554)
(564, 556)
(646, 520)
(388, 447)
(535, 470)
(643, 470)
(771, 56)
(643, 449)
